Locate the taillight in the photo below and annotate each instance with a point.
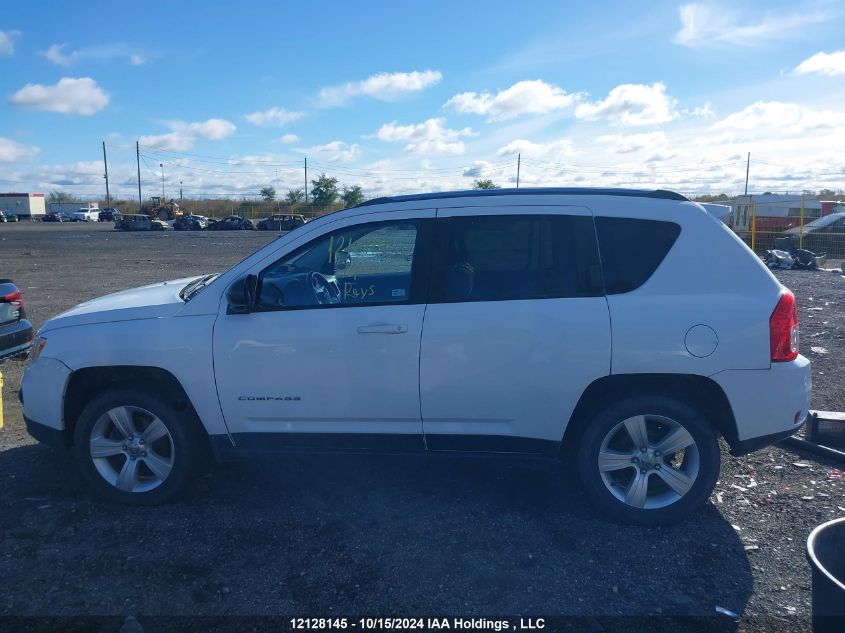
(783, 329)
(14, 298)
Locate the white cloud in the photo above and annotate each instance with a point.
(632, 104)
(289, 138)
(275, 117)
(7, 42)
(428, 137)
(829, 64)
(68, 96)
(55, 55)
(337, 151)
(184, 135)
(551, 150)
(704, 111)
(650, 146)
(532, 96)
(213, 129)
(381, 86)
(713, 25)
(480, 169)
(58, 56)
(11, 151)
(780, 115)
(255, 159)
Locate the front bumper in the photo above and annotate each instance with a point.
(42, 393)
(15, 338)
(47, 435)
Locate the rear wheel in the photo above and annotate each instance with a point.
(649, 460)
(135, 448)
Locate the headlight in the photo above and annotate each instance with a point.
(37, 348)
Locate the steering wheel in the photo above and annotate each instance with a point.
(325, 290)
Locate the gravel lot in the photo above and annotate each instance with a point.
(343, 535)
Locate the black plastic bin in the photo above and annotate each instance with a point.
(826, 553)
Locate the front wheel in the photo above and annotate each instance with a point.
(649, 460)
(136, 449)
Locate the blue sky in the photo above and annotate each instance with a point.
(404, 97)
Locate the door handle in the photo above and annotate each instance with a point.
(382, 328)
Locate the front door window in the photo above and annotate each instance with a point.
(365, 264)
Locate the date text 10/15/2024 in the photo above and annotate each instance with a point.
(419, 624)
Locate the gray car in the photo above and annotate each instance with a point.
(15, 330)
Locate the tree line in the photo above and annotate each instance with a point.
(325, 192)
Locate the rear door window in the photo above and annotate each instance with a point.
(514, 257)
(632, 249)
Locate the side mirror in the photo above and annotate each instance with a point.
(342, 260)
(241, 295)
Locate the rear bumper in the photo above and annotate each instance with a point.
(15, 338)
(744, 447)
(768, 404)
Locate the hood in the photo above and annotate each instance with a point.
(147, 302)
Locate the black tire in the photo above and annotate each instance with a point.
(709, 459)
(189, 444)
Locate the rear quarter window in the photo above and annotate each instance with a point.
(631, 250)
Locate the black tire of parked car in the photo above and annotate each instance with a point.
(698, 426)
(189, 444)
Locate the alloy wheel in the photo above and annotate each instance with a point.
(132, 449)
(648, 461)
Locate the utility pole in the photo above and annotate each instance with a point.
(747, 168)
(138, 159)
(162, 181)
(180, 191)
(518, 164)
(106, 167)
(278, 202)
(801, 233)
(306, 180)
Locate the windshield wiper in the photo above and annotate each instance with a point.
(195, 286)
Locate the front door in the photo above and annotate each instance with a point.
(329, 356)
(516, 328)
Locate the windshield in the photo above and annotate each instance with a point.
(195, 286)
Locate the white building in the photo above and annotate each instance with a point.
(26, 205)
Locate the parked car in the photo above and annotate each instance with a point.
(231, 223)
(107, 215)
(85, 215)
(190, 222)
(139, 222)
(15, 330)
(54, 216)
(622, 331)
(8, 216)
(281, 222)
(823, 235)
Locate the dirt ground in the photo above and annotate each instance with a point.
(349, 536)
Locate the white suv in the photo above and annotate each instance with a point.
(626, 330)
(85, 215)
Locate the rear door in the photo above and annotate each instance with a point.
(516, 328)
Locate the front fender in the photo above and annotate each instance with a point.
(180, 345)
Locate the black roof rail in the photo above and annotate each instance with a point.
(660, 194)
